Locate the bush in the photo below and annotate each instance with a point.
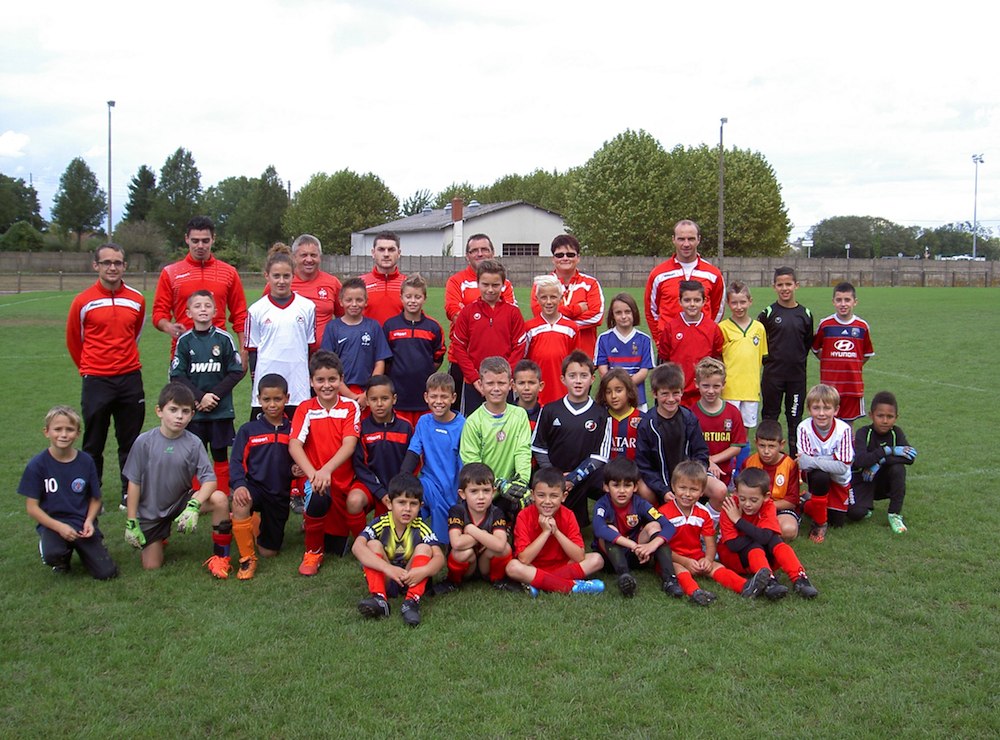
(22, 237)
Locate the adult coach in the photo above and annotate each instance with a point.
(385, 281)
(199, 270)
(583, 299)
(309, 281)
(102, 335)
(662, 298)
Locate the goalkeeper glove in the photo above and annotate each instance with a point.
(581, 472)
(905, 451)
(188, 520)
(134, 535)
(515, 491)
(868, 475)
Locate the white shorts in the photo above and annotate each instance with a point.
(748, 410)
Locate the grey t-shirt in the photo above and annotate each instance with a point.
(163, 468)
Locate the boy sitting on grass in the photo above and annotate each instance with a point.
(159, 470)
(63, 495)
(399, 553)
(477, 532)
(750, 538)
(548, 543)
(782, 471)
(693, 543)
(628, 531)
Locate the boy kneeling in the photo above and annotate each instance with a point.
(399, 553)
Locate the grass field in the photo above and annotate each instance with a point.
(904, 639)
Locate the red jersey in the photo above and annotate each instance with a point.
(579, 289)
(179, 280)
(765, 518)
(784, 477)
(481, 331)
(462, 289)
(663, 292)
(842, 349)
(722, 430)
(551, 556)
(691, 529)
(322, 433)
(547, 345)
(624, 433)
(103, 328)
(686, 344)
(384, 297)
(324, 291)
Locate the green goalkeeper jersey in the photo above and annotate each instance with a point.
(502, 441)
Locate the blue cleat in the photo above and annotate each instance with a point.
(588, 587)
(533, 592)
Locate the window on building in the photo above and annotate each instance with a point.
(520, 250)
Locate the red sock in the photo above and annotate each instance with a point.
(315, 527)
(787, 560)
(417, 590)
(375, 579)
(757, 559)
(687, 582)
(221, 543)
(498, 567)
(815, 509)
(548, 582)
(356, 522)
(456, 570)
(221, 476)
(729, 578)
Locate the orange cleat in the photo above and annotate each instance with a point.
(218, 566)
(310, 563)
(247, 569)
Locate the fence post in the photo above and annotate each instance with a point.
(60, 280)
(18, 281)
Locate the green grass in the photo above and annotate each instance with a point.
(904, 639)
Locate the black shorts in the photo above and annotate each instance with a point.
(157, 530)
(94, 555)
(273, 511)
(216, 433)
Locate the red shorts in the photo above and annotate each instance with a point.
(851, 408)
(410, 416)
(840, 496)
(373, 503)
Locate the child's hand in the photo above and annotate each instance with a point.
(320, 482)
(644, 552)
(905, 451)
(88, 529)
(397, 574)
(241, 496)
(714, 470)
(362, 400)
(66, 532)
(208, 402)
(548, 524)
(731, 509)
(133, 534)
(868, 474)
(702, 565)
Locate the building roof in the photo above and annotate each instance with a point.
(439, 219)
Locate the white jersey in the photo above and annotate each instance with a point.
(282, 335)
(837, 445)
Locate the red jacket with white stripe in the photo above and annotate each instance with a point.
(663, 301)
(103, 329)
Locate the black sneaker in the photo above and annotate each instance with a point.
(297, 504)
(60, 570)
(411, 612)
(701, 597)
(805, 589)
(512, 587)
(445, 587)
(672, 587)
(775, 590)
(756, 584)
(374, 607)
(627, 585)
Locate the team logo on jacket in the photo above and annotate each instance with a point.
(477, 316)
(679, 336)
(779, 479)
(590, 425)
(632, 520)
(216, 350)
(78, 485)
(321, 293)
(366, 339)
(501, 435)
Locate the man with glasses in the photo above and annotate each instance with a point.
(102, 335)
(199, 270)
(582, 299)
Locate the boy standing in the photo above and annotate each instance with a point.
(843, 343)
(690, 336)
(63, 495)
(881, 454)
(721, 423)
(744, 346)
(207, 361)
(550, 336)
(436, 442)
(628, 531)
(548, 543)
(261, 475)
(399, 553)
(488, 326)
(826, 453)
(528, 385)
(574, 434)
(782, 471)
(416, 342)
(324, 434)
(789, 328)
(159, 471)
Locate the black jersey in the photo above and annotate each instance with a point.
(789, 339)
(459, 517)
(570, 436)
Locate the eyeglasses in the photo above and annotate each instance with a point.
(111, 263)
(197, 240)
(564, 255)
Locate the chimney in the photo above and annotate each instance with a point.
(456, 209)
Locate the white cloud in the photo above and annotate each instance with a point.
(12, 144)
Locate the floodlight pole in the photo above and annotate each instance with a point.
(978, 160)
(722, 183)
(111, 104)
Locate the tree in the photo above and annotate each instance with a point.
(416, 202)
(22, 237)
(956, 238)
(18, 202)
(465, 190)
(79, 203)
(268, 201)
(141, 195)
(334, 206)
(143, 237)
(248, 211)
(178, 196)
(869, 236)
(545, 189)
(618, 203)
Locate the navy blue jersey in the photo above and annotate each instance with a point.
(417, 350)
(627, 521)
(379, 453)
(260, 459)
(63, 489)
(459, 518)
(399, 547)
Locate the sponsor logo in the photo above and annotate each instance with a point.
(212, 366)
(557, 423)
(843, 345)
(590, 425)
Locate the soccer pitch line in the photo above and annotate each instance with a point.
(14, 304)
(904, 376)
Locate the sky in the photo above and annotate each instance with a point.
(860, 108)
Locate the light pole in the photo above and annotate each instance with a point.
(111, 104)
(978, 160)
(722, 181)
